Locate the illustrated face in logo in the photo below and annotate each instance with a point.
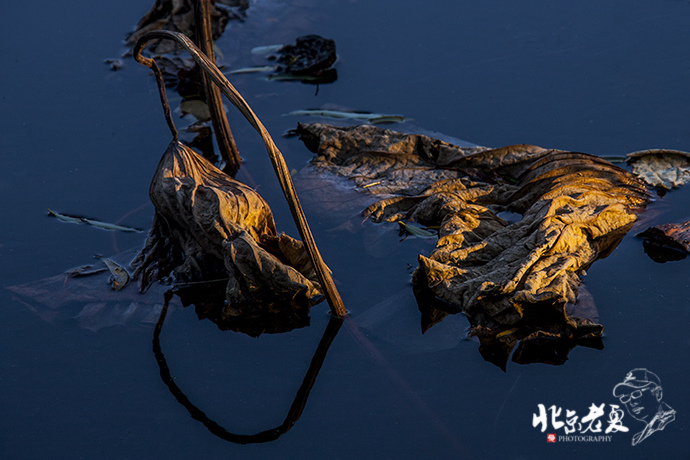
(640, 392)
(641, 403)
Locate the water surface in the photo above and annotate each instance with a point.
(600, 77)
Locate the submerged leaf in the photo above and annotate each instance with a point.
(84, 270)
(257, 69)
(81, 295)
(199, 109)
(415, 230)
(361, 116)
(266, 49)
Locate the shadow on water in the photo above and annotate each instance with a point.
(295, 410)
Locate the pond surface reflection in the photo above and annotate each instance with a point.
(606, 79)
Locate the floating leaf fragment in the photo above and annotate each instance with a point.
(414, 230)
(92, 222)
(327, 76)
(66, 218)
(111, 227)
(367, 117)
(84, 270)
(667, 242)
(81, 296)
(389, 119)
(119, 276)
(266, 49)
(257, 69)
(661, 168)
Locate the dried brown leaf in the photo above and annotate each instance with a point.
(575, 208)
(214, 226)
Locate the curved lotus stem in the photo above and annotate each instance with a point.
(279, 166)
(164, 97)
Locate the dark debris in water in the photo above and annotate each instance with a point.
(178, 16)
(311, 58)
(667, 242)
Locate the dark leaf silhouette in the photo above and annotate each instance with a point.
(667, 242)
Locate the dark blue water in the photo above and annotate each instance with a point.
(600, 77)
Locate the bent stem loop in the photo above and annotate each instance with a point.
(277, 160)
(298, 404)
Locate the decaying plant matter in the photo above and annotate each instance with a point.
(309, 59)
(179, 16)
(662, 168)
(667, 242)
(513, 277)
(210, 226)
(204, 22)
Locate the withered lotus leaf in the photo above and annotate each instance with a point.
(564, 210)
(178, 16)
(661, 168)
(210, 226)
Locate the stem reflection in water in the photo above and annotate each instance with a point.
(296, 408)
